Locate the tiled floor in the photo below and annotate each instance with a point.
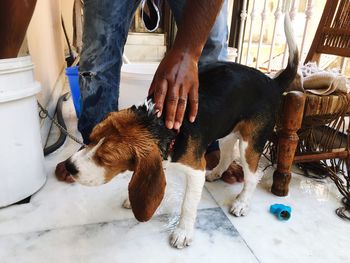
(73, 223)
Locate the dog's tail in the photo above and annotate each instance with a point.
(288, 74)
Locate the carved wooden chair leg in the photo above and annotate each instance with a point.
(290, 122)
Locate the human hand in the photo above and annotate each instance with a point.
(174, 83)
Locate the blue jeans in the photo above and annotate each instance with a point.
(106, 26)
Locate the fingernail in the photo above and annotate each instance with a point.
(159, 113)
(177, 125)
(192, 119)
(169, 124)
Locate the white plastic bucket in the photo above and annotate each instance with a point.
(22, 170)
(136, 79)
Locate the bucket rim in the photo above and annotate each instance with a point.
(11, 95)
(12, 65)
(139, 71)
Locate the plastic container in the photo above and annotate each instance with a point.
(73, 79)
(136, 79)
(231, 54)
(22, 170)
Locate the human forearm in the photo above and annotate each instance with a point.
(197, 20)
(176, 81)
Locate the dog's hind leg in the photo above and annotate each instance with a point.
(249, 158)
(226, 145)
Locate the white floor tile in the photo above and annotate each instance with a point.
(215, 240)
(314, 232)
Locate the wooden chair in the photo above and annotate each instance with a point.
(333, 33)
(332, 37)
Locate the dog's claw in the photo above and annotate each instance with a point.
(180, 238)
(126, 204)
(239, 208)
(211, 176)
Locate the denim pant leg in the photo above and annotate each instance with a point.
(106, 26)
(216, 46)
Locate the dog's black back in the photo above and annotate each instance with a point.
(228, 94)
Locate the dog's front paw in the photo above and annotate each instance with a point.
(181, 238)
(239, 207)
(212, 175)
(126, 204)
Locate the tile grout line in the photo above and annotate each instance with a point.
(245, 242)
(96, 223)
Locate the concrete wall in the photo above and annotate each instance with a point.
(47, 47)
(67, 13)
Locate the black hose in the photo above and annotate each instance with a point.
(62, 138)
(70, 59)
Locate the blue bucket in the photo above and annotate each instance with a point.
(73, 78)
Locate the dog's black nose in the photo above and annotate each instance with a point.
(70, 167)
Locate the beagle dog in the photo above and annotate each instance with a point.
(236, 103)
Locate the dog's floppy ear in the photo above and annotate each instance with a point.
(147, 185)
(109, 125)
(102, 129)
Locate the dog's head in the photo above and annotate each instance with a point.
(120, 143)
